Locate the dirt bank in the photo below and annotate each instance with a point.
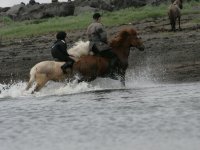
(168, 56)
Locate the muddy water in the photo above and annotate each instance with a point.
(101, 116)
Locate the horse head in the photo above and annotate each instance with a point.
(178, 3)
(128, 38)
(134, 39)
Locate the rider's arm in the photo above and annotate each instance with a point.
(102, 33)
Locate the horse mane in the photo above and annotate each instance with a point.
(79, 49)
(122, 36)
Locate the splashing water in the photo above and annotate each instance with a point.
(52, 88)
(12, 90)
(15, 90)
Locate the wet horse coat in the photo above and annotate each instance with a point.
(89, 67)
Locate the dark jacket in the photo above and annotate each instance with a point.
(59, 51)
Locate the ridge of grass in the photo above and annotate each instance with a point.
(12, 29)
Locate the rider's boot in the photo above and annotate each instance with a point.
(67, 65)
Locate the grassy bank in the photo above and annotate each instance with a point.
(11, 29)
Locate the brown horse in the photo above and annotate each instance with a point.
(90, 67)
(174, 13)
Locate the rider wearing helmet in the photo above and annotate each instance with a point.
(59, 51)
(98, 41)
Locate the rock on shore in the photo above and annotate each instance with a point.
(34, 10)
(39, 11)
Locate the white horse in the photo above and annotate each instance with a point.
(45, 71)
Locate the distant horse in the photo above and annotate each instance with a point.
(90, 67)
(174, 13)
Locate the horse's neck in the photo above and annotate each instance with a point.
(122, 53)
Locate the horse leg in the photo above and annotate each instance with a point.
(89, 79)
(173, 28)
(41, 80)
(39, 86)
(171, 23)
(174, 25)
(30, 82)
(122, 80)
(179, 22)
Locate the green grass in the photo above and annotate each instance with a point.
(13, 29)
(133, 14)
(38, 27)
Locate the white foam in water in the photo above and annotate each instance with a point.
(139, 80)
(12, 90)
(52, 88)
(61, 88)
(55, 88)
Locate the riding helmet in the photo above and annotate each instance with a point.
(61, 35)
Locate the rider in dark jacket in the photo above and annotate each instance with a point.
(98, 41)
(59, 51)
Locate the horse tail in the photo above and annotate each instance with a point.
(32, 78)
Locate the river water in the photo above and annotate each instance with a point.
(102, 115)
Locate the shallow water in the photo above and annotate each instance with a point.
(101, 116)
